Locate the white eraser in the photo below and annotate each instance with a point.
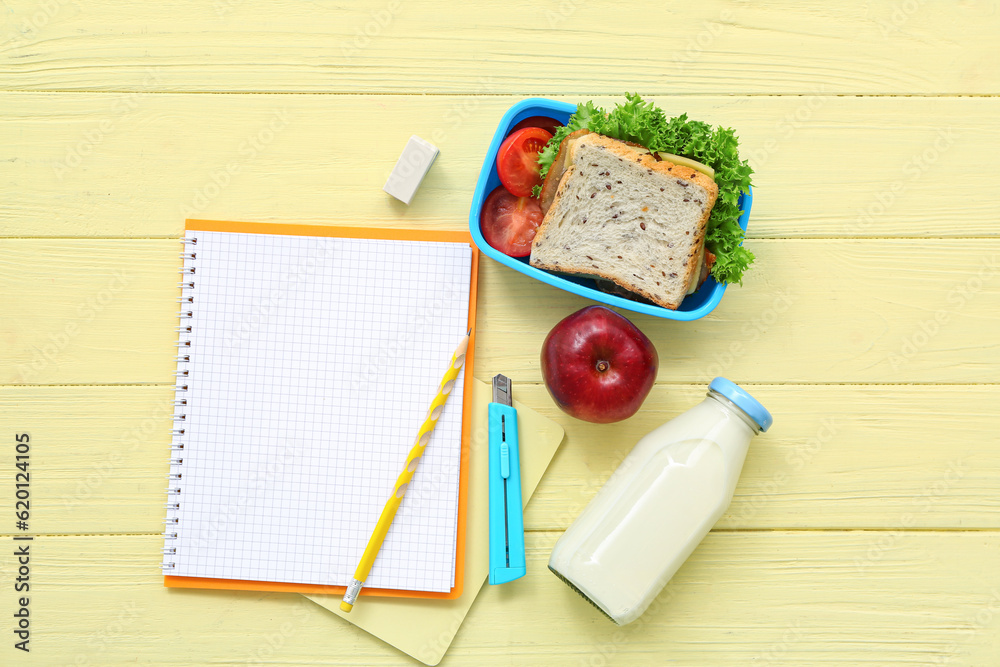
(410, 169)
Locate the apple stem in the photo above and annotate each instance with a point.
(602, 366)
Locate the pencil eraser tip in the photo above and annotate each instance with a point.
(346, 607)
(410, 169)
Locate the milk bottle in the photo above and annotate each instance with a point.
(659, 504)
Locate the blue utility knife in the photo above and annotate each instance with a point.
(507, 561)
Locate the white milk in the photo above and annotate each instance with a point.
(657, 506)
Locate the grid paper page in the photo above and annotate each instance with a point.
(313, 363)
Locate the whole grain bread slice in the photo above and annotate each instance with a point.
(622, 215)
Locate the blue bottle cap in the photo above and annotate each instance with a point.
(743, 400)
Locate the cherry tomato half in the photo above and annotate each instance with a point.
(509, 223)
(517, 160)
(544, 122)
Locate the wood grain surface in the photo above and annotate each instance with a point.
(865, 528)
(920, 311)
(797, 598)
(134, 164)
(537, 47)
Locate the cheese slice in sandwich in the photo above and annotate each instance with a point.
(621, 215)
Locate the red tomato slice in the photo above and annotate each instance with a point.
(544, 122)
(509, 223)
(517, 160)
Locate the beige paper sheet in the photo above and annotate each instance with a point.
(425, 629)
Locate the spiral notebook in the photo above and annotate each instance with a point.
(307, 359)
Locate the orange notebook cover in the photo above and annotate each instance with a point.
(298, 281)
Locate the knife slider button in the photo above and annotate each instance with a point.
(504, 460)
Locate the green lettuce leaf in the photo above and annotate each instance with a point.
(645, 124)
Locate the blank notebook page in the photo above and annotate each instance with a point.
(313, 363)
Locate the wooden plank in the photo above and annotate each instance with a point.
(98, 456)
(77, 306)
(850, 311)
(522, 47)
(837, 457)
(742, 598)
(135, 165)
(811, 311)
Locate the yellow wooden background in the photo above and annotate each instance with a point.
(866, 525)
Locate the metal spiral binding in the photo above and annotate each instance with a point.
(183, 359)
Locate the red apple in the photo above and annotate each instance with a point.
(598, 366)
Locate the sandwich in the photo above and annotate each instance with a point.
(618, 213)
(646, 205)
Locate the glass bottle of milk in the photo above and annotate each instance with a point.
(659, 504)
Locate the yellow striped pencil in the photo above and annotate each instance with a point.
(412, 460)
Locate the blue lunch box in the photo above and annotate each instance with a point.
(693, 307)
